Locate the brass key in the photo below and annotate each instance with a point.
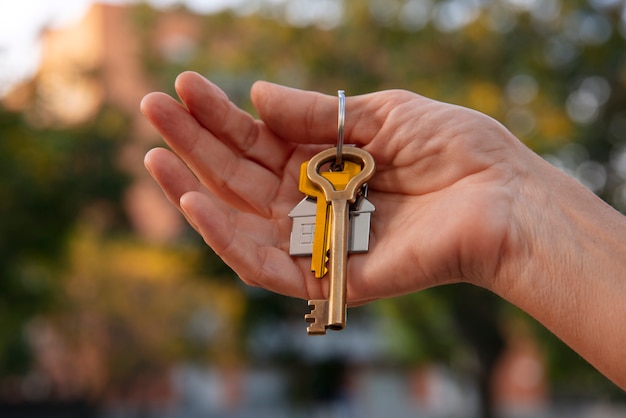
(331, 313)
(321, 239)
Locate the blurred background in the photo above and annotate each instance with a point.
(110, 306)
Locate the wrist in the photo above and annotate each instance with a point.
(567, 269)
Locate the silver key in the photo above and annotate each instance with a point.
(331, 313)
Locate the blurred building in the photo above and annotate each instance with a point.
(90, 64)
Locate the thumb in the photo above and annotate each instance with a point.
(296, 115)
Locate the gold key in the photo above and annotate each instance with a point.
(331, 313)
(321, 234)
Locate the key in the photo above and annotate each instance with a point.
(331, 313)
(321, 244)
(319, 254)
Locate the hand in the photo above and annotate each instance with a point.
(445, 182)
(457, 197)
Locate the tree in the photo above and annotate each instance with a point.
(48, 178)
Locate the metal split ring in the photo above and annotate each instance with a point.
(341, 120)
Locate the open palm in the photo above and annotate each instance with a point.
(443, 213)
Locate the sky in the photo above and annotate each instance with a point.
(21, 22)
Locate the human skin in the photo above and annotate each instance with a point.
(458, 199)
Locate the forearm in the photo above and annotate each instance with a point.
(571, 275)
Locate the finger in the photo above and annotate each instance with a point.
(246, 243)
(302, 116)
(233, 126)
(179, 129)
(239, 181)
(311, 117)
(171, 174)
(177, 180)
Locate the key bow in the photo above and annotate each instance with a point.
(354, 154)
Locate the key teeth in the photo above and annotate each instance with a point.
(317, 317)
(323, 270)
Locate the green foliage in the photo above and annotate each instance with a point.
(48, 177)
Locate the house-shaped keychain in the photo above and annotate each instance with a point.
(303, 227)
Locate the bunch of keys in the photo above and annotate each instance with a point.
(332, 220)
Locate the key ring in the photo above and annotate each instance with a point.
(341, 119)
